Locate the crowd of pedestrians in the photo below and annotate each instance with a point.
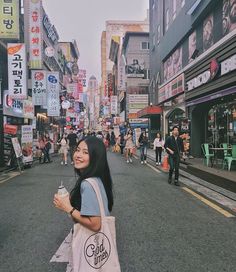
(124, 143)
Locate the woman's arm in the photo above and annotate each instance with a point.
(91, 222)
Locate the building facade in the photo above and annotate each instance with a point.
(192, 51)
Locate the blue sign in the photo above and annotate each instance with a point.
(52, 79)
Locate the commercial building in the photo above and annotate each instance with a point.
(115, 30)
(192, 53)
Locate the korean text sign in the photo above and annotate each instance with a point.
(17, 77)
(9, 19)
(53, 89)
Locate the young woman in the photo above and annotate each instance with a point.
(158, 146)
(90, 160)
(63, 149)
(129, 146)
(143, 141)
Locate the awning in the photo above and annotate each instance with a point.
(149, 111)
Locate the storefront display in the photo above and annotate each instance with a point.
(222, 124)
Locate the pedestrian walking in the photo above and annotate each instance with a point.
(113, 141)
(72, 138)
(40, 148)
(121, 143)
(64, 147)
(90, 163)
(143, 142)
(108, 140)
(48, 145)
(158, 146)
(174, 146)
(129, 146)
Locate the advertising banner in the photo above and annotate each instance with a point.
(53, 99)
(35, 34)
(9, 19)
(135, 69)
(17, 76)
(208, 36)
(121, 74)
(16, 147)
(173, 64)
(39, 88)
(9, 132)
(82, 77)
(27, 143)
(28, 109)
(114, 104)
(229, 16)
(173, 88)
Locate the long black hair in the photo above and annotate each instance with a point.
(98, 167)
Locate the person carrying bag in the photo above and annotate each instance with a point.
(95, 251)
(91, 245)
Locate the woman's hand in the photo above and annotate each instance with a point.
(62, 203)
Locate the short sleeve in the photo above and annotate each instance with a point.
(89, 201)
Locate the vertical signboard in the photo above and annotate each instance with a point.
(35, 33)
(114, 102)
(17, 77)
(82, 77)
(9, 19)
(27, 143)
(53, 101)
(39, 93)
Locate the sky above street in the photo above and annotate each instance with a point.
(84, 21)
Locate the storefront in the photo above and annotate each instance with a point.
(153, 113)
(211, 98)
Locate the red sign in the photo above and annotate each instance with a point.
(10, 129)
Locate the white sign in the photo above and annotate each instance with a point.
(27, 143)
(49, 51)
(199, 80)
(28, 109)
(138, 120)
(71, 88)
(228, 65)
(114, 104)
(16, 147)
(39, 91)
(53, 102)
(35, 34)
(17, 71)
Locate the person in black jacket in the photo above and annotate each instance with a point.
(174, 146)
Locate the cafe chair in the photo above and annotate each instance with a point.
(230, 159)
(226, 153)
(208, 156)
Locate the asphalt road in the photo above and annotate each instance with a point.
(160, 227)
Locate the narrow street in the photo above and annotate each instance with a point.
(160, 227)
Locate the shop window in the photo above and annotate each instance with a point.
(222, 124)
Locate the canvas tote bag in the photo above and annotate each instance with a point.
(95, 251)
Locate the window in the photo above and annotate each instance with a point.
(145, 45)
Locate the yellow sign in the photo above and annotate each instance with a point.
(9, 19)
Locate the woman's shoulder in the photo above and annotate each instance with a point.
(85, 183)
